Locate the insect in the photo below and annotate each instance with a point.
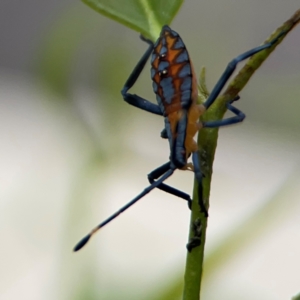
(175, 86)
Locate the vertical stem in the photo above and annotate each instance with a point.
(198, 223)
(207, 142)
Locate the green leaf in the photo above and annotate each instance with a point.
(144, 16)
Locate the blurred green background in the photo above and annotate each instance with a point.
(72, 152)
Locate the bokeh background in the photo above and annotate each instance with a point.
(72, 152)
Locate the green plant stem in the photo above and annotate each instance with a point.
(207, 142)
(297, 297)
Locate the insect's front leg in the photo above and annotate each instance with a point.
(136, 100)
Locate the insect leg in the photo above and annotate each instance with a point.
(198, 176)
(166, 188)
(164, 134)
(240, 116)
(231, 67)
(155, 184)
(136, 100)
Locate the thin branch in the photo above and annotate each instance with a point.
(207, 142)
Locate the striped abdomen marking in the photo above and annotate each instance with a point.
(172, 73)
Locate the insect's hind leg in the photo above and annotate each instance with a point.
(199, 177)
(158, 172)
(136, 100)
(147, 190)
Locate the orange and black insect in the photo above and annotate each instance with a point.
(175, 86)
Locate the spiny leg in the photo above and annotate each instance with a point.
(240, 116)
(231, 67)
(166, 188)
(198, 176)
(148, 189)
(136, 100)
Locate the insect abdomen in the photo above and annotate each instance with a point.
(171, 72)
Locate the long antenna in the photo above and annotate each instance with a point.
(148, 189)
